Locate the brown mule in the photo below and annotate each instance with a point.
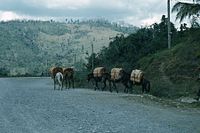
(99, 74)
(68, 77)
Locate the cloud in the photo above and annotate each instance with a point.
(132, 11)
(59, 4)
(8, 15)
(150, 21)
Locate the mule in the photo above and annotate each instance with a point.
(105, 77)
(137, 78)
(123, 77)
(53, 72)
(58, 80)
(68, 74)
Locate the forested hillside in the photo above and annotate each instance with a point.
(31, 47)
(172, 72)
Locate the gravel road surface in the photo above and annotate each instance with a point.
(30, 105)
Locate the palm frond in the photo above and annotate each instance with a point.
(185, 10)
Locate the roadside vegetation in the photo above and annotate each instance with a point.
(173, 72)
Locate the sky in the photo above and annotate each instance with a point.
(135, 12)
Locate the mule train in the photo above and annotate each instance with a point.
(119, 75)
(62, 77)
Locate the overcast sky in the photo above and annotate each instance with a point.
(136, 12)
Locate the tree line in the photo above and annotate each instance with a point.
(126, 51)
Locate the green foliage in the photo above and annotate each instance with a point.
(126, 51)
(186, 10)
(172, 72)
(4, 72)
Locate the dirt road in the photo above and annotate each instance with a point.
(30, 105)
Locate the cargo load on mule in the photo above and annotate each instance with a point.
(136, 76)
(99, 71)
(116, 73)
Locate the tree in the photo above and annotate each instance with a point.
(185, 10)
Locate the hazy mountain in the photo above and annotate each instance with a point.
(31, 47)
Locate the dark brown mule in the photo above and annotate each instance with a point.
(105, 77)
(68, 74)
(99, 75)
(53, 72)
(118, 75)
(142, 81)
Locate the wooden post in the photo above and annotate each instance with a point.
(92, 56)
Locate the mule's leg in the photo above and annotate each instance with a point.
(143, 87)
(114, 84)
(126, 87)
(131, 86)
(54, 84)
(96, 84)
(62, 83)
(60, 86)
(148, 86)
(104, 82)
(110, 86)
(72, 82)
(65, 83)
(69, 83)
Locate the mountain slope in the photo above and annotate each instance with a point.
(173, 73)
(31, 47)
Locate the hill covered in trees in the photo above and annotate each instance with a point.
(172, 72)
(31, 47)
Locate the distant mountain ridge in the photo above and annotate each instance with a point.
(31, 47)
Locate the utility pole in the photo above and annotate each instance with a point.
(92, 56)
(46, 68)
(74, 58)
(169, 24)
